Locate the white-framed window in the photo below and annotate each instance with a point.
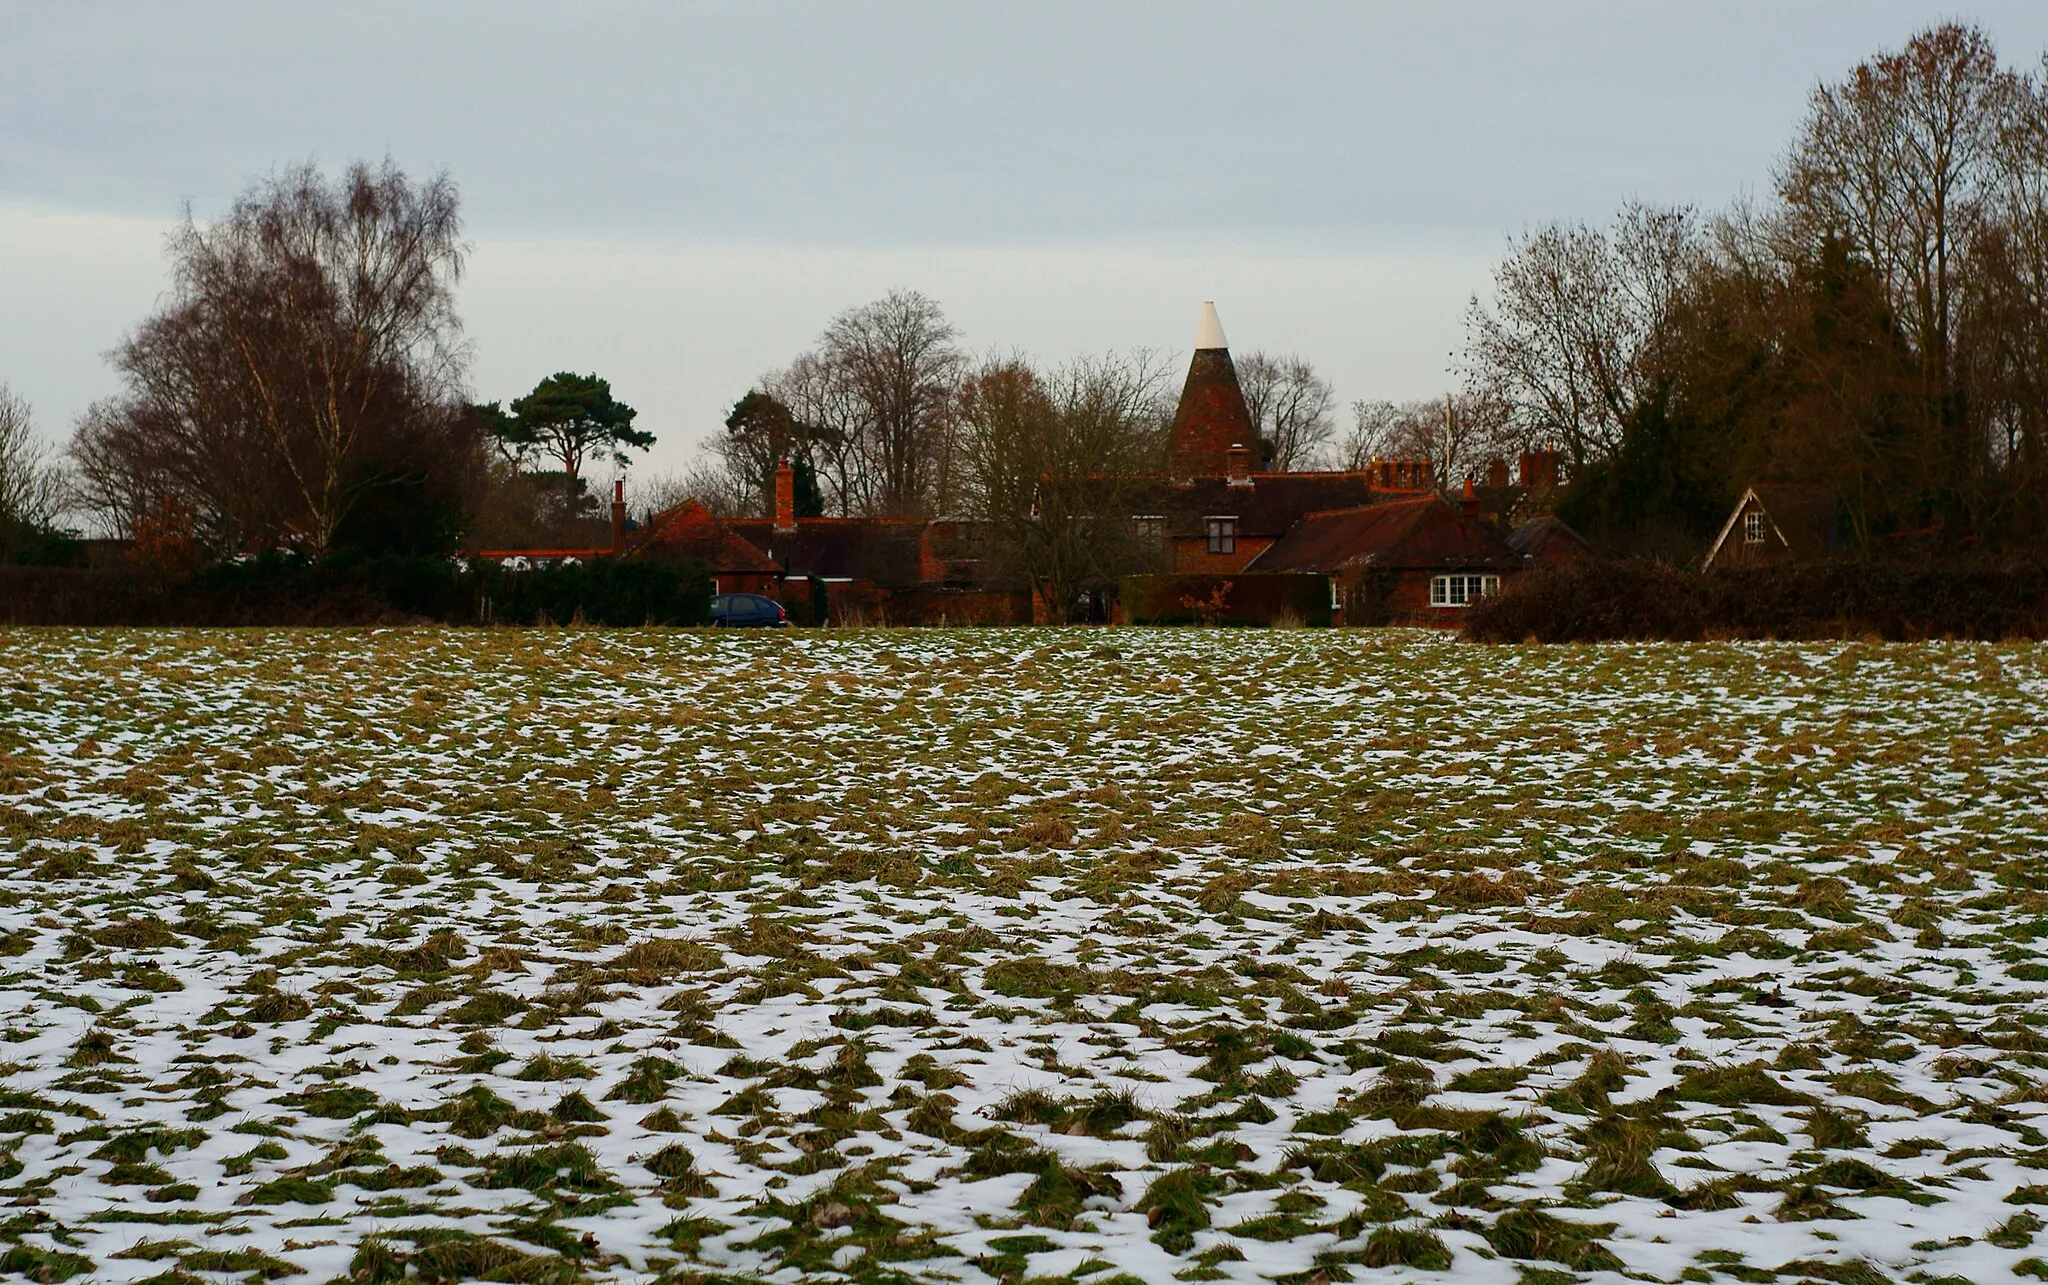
(1149, 529)
(1461, 590)
(1222, 534)
(1755, 527)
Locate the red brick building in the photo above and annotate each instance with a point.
(1414, 560)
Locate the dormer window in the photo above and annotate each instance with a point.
(1222, 534)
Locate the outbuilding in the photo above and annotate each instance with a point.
(1774, 521)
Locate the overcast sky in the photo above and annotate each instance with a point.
(679, 195)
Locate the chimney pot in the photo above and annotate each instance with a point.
(1240, 457)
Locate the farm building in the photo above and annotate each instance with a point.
(1776, 521)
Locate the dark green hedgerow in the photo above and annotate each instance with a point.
(1598, 601)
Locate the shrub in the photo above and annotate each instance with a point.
(286, 589)
(1243, 598)
(622, 592)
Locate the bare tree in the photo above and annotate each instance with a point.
(897, 360)
(1458, 434)
(705, 481)
(310, 348)
(1052, 463)
(838, 429)
(1290, 406)
(1568, 345)
(32, 492)
(1893, 162)
(2009, 304)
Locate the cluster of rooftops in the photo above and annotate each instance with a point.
(1387, 531)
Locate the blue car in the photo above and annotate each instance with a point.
(747, 611)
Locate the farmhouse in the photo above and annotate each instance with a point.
(1213, 508)
(1395, 549)
(1416, 560)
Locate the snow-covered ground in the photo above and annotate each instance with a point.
(1087, 955)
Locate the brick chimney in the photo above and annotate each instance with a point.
(1497, 473)
(1240, 464)
(1539, 470)
(785, 497)
(619, 516)
(1468, 504)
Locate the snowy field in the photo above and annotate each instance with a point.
(1098, 956)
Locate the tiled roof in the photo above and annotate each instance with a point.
(1269, 507)
(690, 530)
(1211, 416)
(1547, 537)
(1420, 533)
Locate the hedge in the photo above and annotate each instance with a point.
(1242, 598)
(287, 590)
(1597, 601)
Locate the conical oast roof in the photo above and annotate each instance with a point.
(1212, 416)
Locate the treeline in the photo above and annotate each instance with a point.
(1878, 324)
(297, 411)
(877, 418)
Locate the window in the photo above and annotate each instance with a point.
(967, 541)
(1754, 527)
(1462, 590)
(1222, 535)
(1149, 530)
